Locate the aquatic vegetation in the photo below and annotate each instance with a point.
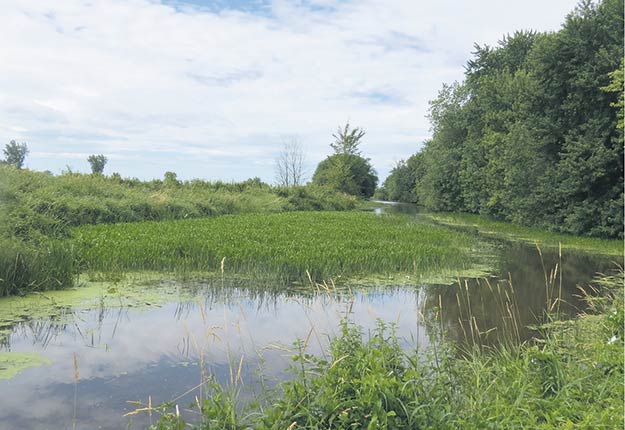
(13, 363)
(291, 246)
(543, 238)
(26, 267)
(136, 291)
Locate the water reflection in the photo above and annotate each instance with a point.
(532, 286)
(395, 208)
(130, 354)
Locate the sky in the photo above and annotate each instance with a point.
(212, 89)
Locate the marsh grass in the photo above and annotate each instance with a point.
(286, 246)
(38, 209)
(27, 267)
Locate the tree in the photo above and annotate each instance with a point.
(400, 185)
(171, 180)
(347, 141)
(15, 153)
(534, 133)
(97, 163)
(290, 164)
(346, 170)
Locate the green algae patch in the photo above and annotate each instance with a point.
(13, 363)
(140, 291)
(447, 277)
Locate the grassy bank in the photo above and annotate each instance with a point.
(37, 211)
(324, 244)
(543, 238)
(571, 378)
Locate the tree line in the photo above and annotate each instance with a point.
(534, 133)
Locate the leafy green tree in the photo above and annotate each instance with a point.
(15, 154)
(400, 185)
(97, 163)
(346, 170)
(439, 187)
(349, 173)
(171, 180)
(534, 134)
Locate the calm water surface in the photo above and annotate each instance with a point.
(131, 354)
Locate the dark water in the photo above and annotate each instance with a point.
(131, 354)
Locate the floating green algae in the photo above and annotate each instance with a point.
(135, 291)
(13, 363)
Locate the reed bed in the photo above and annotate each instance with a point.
(292, 246)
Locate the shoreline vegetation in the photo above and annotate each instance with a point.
(38, 211)
(41, 212)
(514, 232)
(569, 376)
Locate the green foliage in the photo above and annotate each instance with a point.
(26, 267)
(347, 173)
(346, 170)
(400, 185)
(38, 209)
(542, 238)
(97, 163)
(346, 141)
(368, 384)
(315, 198)
(15, 154)
(288, 245)
(534, 133)
(617, 86)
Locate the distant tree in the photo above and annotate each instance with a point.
(346, 141)
(290, 164)
(346, 170)
(171, 179)
(400, 185)
(15, 154)
(97, 163)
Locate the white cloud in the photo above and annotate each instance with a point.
(149, 80)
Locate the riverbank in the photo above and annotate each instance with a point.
(541, 238)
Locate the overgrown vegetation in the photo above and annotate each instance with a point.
(571, 376)
(324, 244)
(38, 210)
(532, 135)
(347, 170)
